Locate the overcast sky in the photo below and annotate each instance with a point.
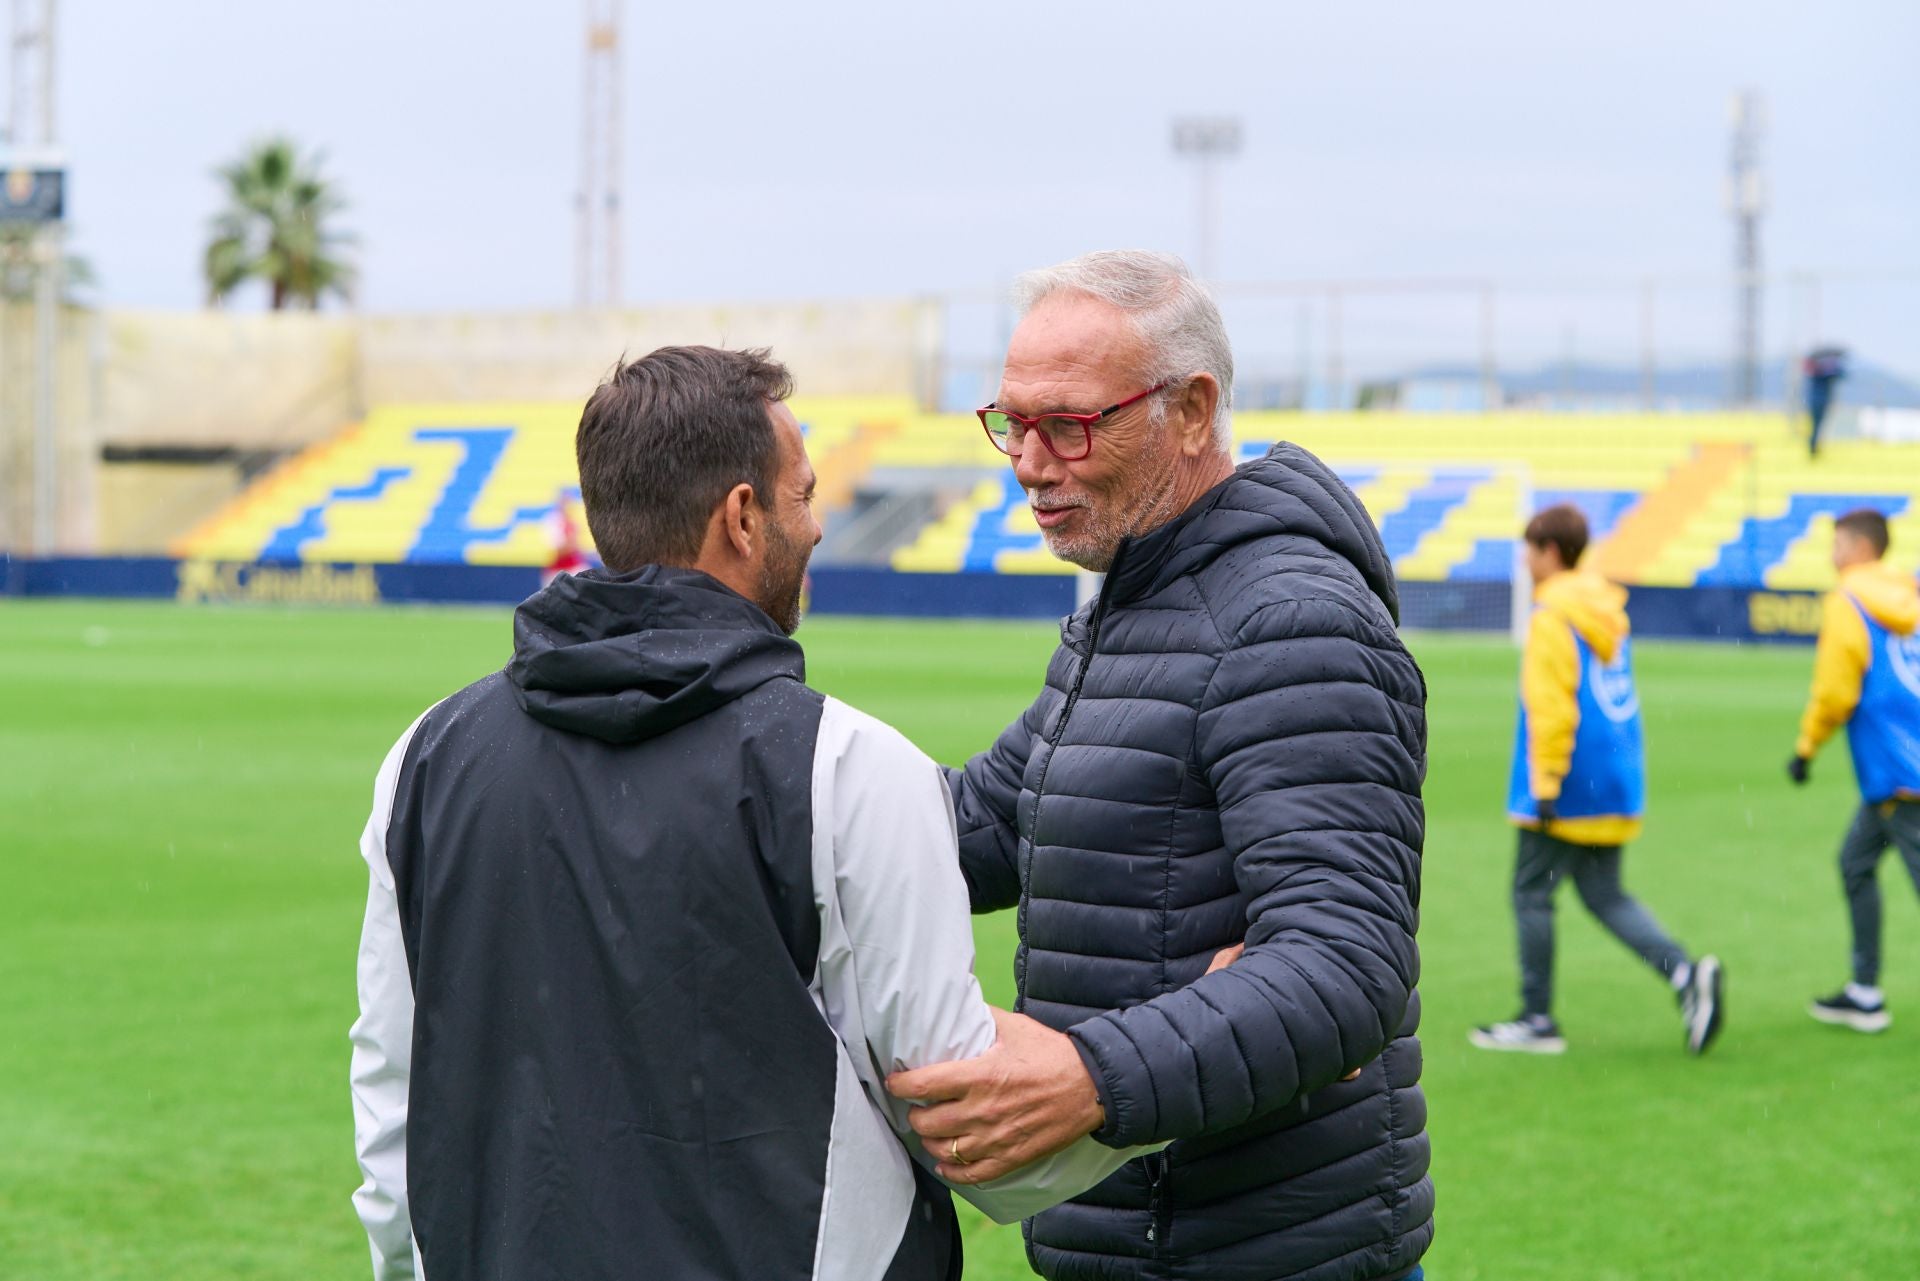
(792, 150)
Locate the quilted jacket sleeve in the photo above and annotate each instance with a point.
(986, 795)
(1313, 735)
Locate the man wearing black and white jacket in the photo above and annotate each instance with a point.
(650, 921)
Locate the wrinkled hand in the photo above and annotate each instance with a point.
(1227, 956)
(1797, 770)
(1024, 1099)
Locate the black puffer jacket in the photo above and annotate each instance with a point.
(1230, 746)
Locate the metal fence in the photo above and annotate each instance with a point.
(1468, 343)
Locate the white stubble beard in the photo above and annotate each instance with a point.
(1094, 548)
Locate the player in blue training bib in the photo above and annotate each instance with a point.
(1578, 790)
(1866, 676)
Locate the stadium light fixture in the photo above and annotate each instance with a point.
(1207, 140)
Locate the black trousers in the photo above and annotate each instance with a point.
(1897, 823)
(1540, 865)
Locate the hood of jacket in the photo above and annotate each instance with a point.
(1890, 597)
(1594, 607)
(1289, 491)
(628, 657)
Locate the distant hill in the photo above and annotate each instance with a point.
(1693, 386)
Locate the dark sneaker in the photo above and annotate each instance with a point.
(1703, 1003)
(1529, 1034)
(1842, 1010)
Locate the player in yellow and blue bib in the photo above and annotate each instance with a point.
(1606, 778)
(1578, 789)
(1866, 676)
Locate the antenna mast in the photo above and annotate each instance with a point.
(32, 193)
(1746, 201)
(597, 203)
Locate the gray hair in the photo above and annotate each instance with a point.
(1172, 312)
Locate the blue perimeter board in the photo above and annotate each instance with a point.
(1729, 613)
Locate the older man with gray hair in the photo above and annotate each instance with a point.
(1229, 749)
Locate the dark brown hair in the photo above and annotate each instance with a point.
(665, 438)
(1560, 526)
(1865, 522)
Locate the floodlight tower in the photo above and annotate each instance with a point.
(32, 193)
(597, 203)
(30, 109)
(1207, 140)
(1747, 201)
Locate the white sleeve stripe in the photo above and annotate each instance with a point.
(869, 1187)
(383, 1045)
(900, 893)
(905, 992)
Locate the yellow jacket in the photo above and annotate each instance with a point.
(1840, 660)
(1550, 689)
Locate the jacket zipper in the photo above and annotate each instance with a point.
(1157, 1161)
(1059, 732)
(1158, 1216)
(1094, 620)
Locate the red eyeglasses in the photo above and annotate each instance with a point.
(1068, 437)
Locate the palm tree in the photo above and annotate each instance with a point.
(275, 228)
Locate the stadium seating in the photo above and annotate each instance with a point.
(467, 484)
(1674, 500)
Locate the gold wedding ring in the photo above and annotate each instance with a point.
(953, 1154)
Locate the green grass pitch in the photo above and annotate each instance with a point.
(181, 792)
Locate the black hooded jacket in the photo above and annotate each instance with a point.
(1229, 747)
(602, 865)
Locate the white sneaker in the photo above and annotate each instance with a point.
(1843, 1010)
(1528, 1034)
(1703, 1003)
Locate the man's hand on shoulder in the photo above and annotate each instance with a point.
(1226, 956)
(1024, 1099)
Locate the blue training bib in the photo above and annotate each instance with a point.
(1884, 732)
(1608, 775)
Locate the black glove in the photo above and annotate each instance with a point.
(1797, 770)
(1549, 814)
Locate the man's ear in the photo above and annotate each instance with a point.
(1194, 408)
(741, 518)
